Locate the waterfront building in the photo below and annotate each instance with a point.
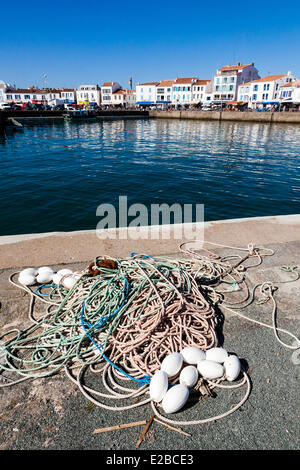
(3, 88)
(228, 79)
(130, 98)
(289, 94)
(107, 90)
(182, 90)
(25, 95)
(146, 93)
(68, 95)
(125, 98)
(263, 92)
(164, 93)
(87, 94)
(202, 91)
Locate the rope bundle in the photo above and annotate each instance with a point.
(120, 321)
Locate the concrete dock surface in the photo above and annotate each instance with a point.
(51, 413)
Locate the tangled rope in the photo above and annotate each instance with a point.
(123, 317)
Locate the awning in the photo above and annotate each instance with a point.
(145, 102)
(266, 102)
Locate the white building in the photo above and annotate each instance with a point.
(107, 90)
(125, 98)
(164, 93)
(182, 90)
(130, 98)
(202, 91)
(289, 94)
(263, 92)
(146, 93)
(88, 94)
(229, 78)
(68, 95)
(3, 88)
(25, 95)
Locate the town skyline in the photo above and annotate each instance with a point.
(146, 41)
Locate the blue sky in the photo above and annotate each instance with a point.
(94, 41)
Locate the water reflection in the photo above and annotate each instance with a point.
(59, 173)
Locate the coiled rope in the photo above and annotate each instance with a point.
(122, 322)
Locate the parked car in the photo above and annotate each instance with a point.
(58, 107)
(5, 106)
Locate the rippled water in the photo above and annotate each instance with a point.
(53, 177)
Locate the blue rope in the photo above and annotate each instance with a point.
(145, 380)
(144, 256)
(42, 286)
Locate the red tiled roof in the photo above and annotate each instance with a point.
(165, 83)
(185, 80)
(119, 92)
(149, 83)
(201, 82)
(234, 67)
(26, 91)
(294, 83)
(269, 78)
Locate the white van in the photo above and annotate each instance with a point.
(4, 105)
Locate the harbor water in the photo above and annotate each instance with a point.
(54, 176)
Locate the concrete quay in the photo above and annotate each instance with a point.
(52, 414)
(243, 116)
(39, 249)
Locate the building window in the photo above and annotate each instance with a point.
(255, 88)
(9, 97)
(254, 97)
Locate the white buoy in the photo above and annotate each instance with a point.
(175, 398)
(192, 355)
(158, 386)
(210, 369)
(26, 279)
(172, 364)
(216, 354)
(189, 376)
(232, 367)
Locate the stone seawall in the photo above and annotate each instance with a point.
(247, 116)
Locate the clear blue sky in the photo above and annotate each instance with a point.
(94, 41)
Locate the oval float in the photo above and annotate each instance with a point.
(192, 355)
(172, 364)
(158, 386)
(189, 376)
(26, 279)
(216, 355)
(44, 277)
(175, 398)
(210, 369)
(232, 367)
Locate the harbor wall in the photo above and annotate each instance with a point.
(244, 116)
(42, 249)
